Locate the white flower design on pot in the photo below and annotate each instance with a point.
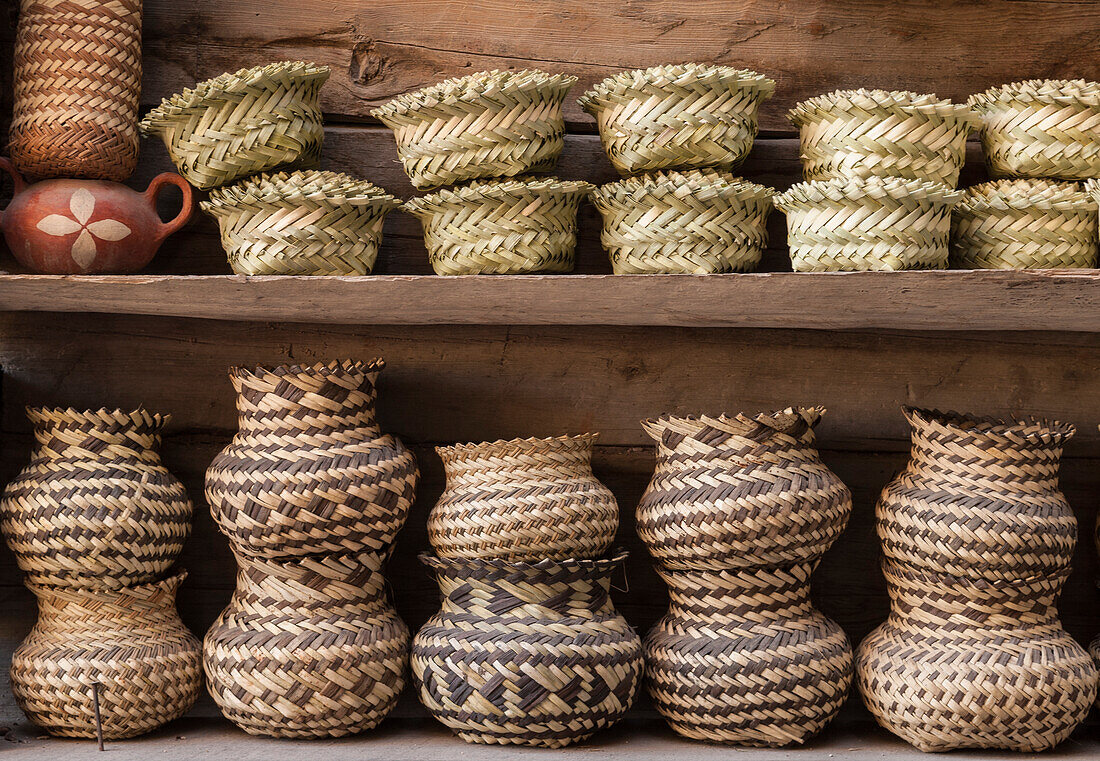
(82, 204)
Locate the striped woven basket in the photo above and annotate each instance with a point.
(95, 508)
(866, 133)
(77, 77)
(488, 124)
(243, 123)
(307, 648)
(1041, 128)
(507, 227)
(523, 500)
(677, 116)
(301, 223)
(694, 222)
(126, 647)
(526, 653)
(1024, 224)
(872, 223)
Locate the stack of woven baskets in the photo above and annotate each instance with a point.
(527, 648)
(685, 128)
(96, 522)
(487, 131)
(233, 134)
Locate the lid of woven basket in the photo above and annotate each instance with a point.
(857, 188)
(1062, 92)
(865, 102)
(484, 85)
(699, 184)
(288, 188)
(225, 86)
(641, 83)
(494, 190)
(1002, 195)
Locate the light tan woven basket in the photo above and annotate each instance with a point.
(77, 78)
(243, 123)
(684, 115)
(488, 124)
(864, 133)
(1041, 128)
(301, 223)
(873, 223)
(506, 227)
(697, 222)
(1024, 224)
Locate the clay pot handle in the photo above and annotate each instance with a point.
(16, 179)
(158, 184)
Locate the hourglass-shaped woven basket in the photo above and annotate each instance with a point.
(872, 223)
(1024, 224)
(301, 223)
(862, 133)
(697, 221)
(243, 123)
(489, 124)
(685, 115)
(1041, 128)
(506, 227)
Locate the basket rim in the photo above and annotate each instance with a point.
(885, 101)
(848, 189)
(169, 584)
(504, 447)
(696, 183)
(330, 367)
(436, 563)
(1025, 194)
(771, 419)
(140, 416)
(901, 570)
(631, 84)
(1061, 92)
(1034, 429)
(334, 189)
(480, 191)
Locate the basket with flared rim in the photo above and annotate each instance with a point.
(864, 133)
(684, 115)
(868, 223)
(1041, 128)
(243, 123)
(505, 227)
(301, 223)
(1024, 224)
(488, 124)
(693, 222)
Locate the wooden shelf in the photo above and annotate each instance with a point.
(1065, 300)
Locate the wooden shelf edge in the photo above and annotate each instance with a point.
(972, 300)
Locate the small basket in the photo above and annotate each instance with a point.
(685, 115)
(507, 227)
(301, 223)
(1041, 128)
(1024, 224)
(693, 222)
(243, 123)
(872, 223)
(489, 124)
(864, 133)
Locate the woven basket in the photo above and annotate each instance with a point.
(307, 648)
(1024, 224)
(526, 653)
(95, 507)
(972, 663)
(873, 223)
(866, 133)
(77, 79)
(243, 123)
(130, 642)
(508, 227)
(677, 116)
(1041, 128)
(694, 222)
(301, 223)
(743, 657)
(489, 124)
(310, 471)
(523, 500)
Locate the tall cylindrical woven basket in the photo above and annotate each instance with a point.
(77, 89)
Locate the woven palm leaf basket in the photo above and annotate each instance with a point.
(488, 124)
(243, 123)
(1041, 128)
(693, 222)
(863, 133)
(301, 223)
(684, 115)
(506, 227)
(1024, 224)
(872, 223)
